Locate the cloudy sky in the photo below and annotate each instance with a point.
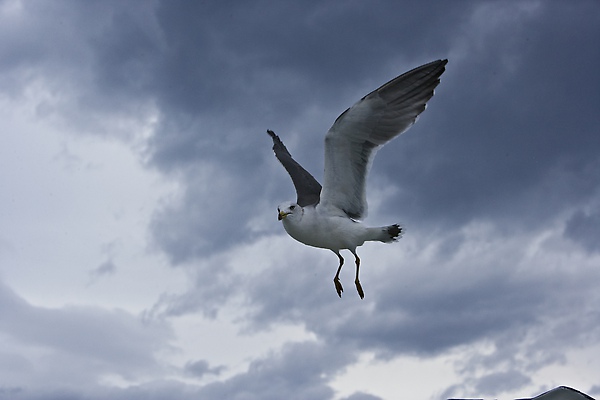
(140, 252)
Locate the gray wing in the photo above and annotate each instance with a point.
(308, 189)
(356, 135)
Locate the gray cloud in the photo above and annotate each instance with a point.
(199, 368)
(104, 341)
(500, 382)
(300, 371)
(361, 396)
(108, 267)
(489, 385)
(584, 228)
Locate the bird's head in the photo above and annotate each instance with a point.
(288, 210)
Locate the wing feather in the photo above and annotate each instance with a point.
(356, 135)
(308, 189)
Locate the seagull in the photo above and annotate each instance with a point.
(328, 217)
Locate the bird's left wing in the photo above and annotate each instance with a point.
(308, 189)
(352, 141)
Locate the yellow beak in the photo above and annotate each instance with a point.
(282, 215)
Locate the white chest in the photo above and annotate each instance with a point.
(328, 232)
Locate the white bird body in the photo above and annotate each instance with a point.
(313, 227)
(327, 217)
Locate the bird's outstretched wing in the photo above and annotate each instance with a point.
(352, 141)
(308, 189)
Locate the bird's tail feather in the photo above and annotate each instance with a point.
(387, 234)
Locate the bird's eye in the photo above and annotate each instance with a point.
(292, 207)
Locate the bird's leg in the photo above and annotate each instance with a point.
(336, 280)
(357, 281)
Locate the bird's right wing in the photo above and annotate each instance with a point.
(354, 138)
(308, 189)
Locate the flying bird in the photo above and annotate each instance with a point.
(328, 217)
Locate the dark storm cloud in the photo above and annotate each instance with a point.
(512, 130)
(83, 65)
(214, 212)
(228, 74)
(224, 57)
(512, 124)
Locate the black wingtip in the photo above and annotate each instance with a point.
(444, 62)
(276, 141)
(443, 65)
